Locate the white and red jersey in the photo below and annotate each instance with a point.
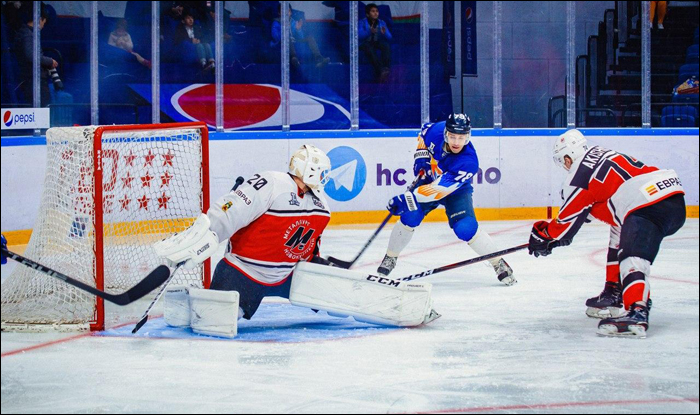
(609, 186)
(270, 224)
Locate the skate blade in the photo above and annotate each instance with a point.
(610, 330)
(608, 312)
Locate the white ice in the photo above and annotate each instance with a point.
(523, 349)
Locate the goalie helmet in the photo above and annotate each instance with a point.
(458, 124)
(573, 144)
(311, 165)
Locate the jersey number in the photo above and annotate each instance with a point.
(463, 176)
(259, 182)
(611, 165)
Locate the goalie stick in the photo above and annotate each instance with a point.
(151, 282)
(144, 317)
(349, 264)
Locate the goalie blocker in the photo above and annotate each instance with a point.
(339, 292)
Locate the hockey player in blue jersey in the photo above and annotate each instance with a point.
(447, 160)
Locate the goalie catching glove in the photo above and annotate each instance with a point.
(191, 246)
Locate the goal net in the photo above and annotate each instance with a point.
(109, 194)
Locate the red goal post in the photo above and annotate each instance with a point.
(110, 192)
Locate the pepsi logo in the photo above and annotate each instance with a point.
(469, 14)
(7, 118)
(252, 106)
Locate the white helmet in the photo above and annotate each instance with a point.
(311, 165)
(572, 143)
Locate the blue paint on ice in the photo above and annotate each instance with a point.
(283, 323)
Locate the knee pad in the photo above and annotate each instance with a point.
(413, 218)
(466, 228)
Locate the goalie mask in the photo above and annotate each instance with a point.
(311, 165)
(573, 144)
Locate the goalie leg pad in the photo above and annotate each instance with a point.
(214, 313)
(176, 306)
(369, 298)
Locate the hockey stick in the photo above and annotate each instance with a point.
(144, 317)
(145, 286)
(349, 264)
(463, 263)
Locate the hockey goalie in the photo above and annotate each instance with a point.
(273, 225)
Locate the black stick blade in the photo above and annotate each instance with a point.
(152, 281)
(139, 324)
(340, 262)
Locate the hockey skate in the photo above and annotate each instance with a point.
(608, 304)
(504, 273)
(387, 265)
(634, 324)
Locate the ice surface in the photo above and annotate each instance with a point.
(524, 349)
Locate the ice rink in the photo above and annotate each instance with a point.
(524, 349)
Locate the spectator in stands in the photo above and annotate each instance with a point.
(188, 32)
(15, 14)
(209, 24)
(172, 9)
(657, 8)
(374, 35)
(297, 35)
(121, 39)
(25, 58)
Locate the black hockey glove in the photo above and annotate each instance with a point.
(540, 242)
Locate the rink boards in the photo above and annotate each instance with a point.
(517, 179)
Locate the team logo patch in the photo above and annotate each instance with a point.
(652, 190)
(317, 202)
(299, 243)
(294, 201)
(226, 206)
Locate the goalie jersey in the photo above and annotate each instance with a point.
(270, 226)
(609, 186)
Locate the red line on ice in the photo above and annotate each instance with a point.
(55, 342)
(560, 405)
(47, 344)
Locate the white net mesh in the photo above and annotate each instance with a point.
(152, 187)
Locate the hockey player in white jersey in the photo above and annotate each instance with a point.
(271, 223)
(642, 204)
